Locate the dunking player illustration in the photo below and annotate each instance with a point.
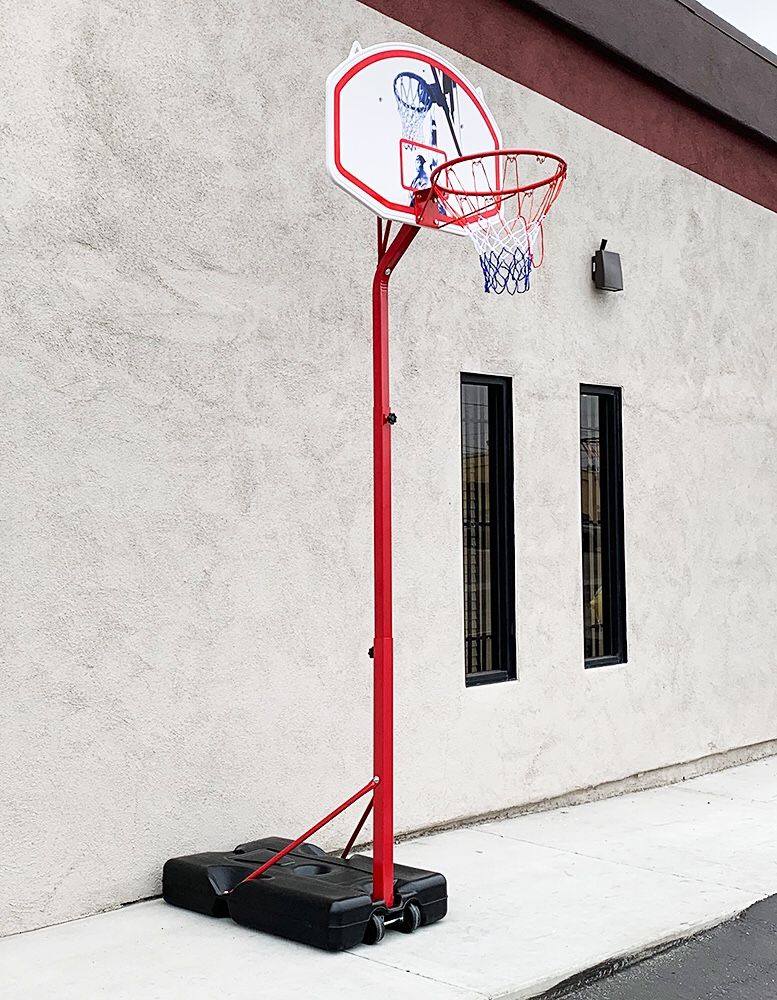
(415, 98)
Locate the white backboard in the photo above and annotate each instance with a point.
(393, 113)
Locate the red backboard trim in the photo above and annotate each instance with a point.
(399, 53)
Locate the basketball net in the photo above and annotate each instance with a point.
(501, 198)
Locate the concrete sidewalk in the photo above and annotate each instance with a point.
(533, 901)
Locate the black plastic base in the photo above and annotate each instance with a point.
(307, 896)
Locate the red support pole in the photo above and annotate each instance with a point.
(383, 703)
(382, 784)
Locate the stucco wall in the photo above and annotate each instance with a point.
(185, 488)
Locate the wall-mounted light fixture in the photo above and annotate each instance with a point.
(606, 270)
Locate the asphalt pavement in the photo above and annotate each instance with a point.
(735, 961)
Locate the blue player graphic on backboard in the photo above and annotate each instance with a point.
(421, 182)
(421, 179)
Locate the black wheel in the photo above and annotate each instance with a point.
(411, 918)
(375, 930)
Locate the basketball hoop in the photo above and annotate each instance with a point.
(501, 198)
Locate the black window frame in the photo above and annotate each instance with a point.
(612, 520)
(502, 520)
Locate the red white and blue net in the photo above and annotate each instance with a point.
(501, 198)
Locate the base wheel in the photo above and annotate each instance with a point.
(375, 929)
(411, 918)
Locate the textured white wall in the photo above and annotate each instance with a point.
(185, 488)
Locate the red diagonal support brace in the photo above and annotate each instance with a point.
(309, 833)
(357, 830)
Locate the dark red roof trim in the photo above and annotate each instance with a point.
(543, 54)
(681, 44)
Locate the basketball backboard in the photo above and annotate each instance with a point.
(394, 113)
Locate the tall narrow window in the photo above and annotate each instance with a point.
(601, 480)
(487, 514)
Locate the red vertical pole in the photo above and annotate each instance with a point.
(383, 695)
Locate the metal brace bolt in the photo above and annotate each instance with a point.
(391, 418)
